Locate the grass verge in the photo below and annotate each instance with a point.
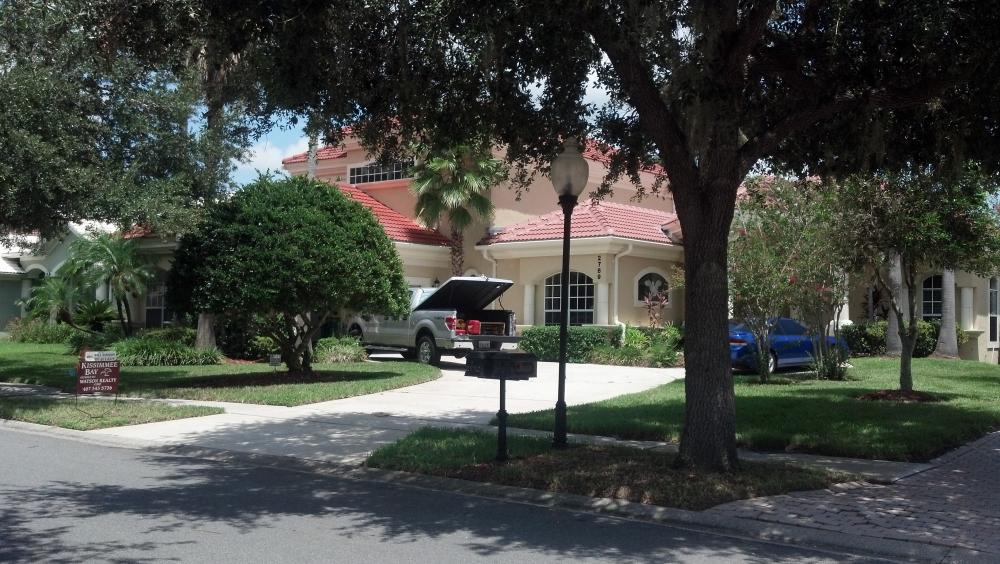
(48, 365)
(817, 416)
(596, 471)
(95, 414)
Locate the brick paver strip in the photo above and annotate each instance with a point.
(956, 503)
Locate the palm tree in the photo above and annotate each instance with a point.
(454, 183)
(54, 298)
(947, 344)
(112, 260)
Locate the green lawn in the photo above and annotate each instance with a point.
(817, 416)
(244, 383)
(95, 414)
(596, 471)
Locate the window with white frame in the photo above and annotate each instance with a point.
(581, 299)
(378, 172)
(994, 308)
(932, 289)
(157, 310)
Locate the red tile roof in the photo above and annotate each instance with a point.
(597, 219)
(397, 226)
(326, 153)
(138, 232)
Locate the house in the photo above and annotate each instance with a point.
(620, 251)
(976, 308)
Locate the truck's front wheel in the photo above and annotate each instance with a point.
(427, 351)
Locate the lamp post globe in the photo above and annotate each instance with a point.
(569, 172)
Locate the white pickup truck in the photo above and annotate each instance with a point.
(451, 319)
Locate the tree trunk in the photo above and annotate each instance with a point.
(311, 159)
(128, 317)
(893, 343)
(121, 315)
(708, 440)
(457, 252)
(206, 331)
(947, 343)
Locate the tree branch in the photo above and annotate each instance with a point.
(636, 76)
(749, 35)
(765, 142)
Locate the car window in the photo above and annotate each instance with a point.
(790, 327)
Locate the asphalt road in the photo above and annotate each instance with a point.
(66, 501)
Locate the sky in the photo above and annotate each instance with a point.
(286, 140)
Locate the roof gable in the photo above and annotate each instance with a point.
(597, 219)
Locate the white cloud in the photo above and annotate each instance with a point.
(265, 156)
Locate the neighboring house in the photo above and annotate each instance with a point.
(21, 268)
(976, 309)
(619, 250)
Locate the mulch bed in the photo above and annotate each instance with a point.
(228, 360)
(898, 395)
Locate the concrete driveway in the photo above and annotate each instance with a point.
(347, 430)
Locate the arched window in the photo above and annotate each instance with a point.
(581, 299)
(650, 282)
(931, 302)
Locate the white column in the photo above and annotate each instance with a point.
(966, 314)
(529, 305)
(25, 294)
(601, 307)
(102, 291)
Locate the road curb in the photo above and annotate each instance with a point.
(758, 530)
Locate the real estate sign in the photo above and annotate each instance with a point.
(98, 371)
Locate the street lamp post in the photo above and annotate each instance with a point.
(569, 174)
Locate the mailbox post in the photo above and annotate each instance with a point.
(502, 366)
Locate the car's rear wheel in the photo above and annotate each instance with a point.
(427, 351)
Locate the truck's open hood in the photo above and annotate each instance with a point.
(465, 293)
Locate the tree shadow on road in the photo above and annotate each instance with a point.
(176, 493)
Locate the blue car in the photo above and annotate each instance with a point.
(791, 345)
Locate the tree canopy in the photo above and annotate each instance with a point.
(290, 253)
(709, 90)
(918, 220)
(90, 136)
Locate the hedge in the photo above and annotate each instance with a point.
(868, 338)
(543, 341)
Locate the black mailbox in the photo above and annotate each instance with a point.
(502, 366)
(497, 365)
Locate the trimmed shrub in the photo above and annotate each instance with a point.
(339, 349)
(634, 338)
(865, 338)
(617, 356)
(543, 341)
(141, 351)
(180, 334)
(40, 331)
(868, 338)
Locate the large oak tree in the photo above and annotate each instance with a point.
(707, 89)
